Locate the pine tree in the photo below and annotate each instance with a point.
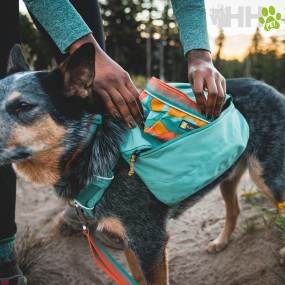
(35, 47)
(220, 43)
(122, 29)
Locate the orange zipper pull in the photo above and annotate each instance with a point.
(134, 157)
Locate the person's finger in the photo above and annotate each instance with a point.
(120, 103)
(212, 96)
(131, 87)
(198, 90)
(108, 102)
(224, 86)
(132, 105)
(220, 99)
(141, 117)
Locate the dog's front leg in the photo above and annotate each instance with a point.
(148, 260)
(135, 266)
(160, 269)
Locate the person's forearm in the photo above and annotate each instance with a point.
(61, 21)
(191, 18)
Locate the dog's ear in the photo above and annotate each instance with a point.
(17, 61)
(78, 72)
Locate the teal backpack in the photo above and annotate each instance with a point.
(177, 154)
(180, 151)
(177, 168)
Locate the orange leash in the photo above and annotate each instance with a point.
(105, 260)
(102, 257)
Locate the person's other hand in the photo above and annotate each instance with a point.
(202, 74)
(114, 85)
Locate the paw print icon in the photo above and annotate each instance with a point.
(269, 19)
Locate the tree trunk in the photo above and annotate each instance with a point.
(148, 54)
(161, 61)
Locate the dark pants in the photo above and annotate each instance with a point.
(9, 35)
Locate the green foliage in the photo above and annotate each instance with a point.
(253, 196)
(140, 81)
(250, 226)
(35, 48)
(263, 62)
(131, 26)
(280, 223)
(266, 214)
(220, 43)
(143, 37)
(123, 41)
(271, 217)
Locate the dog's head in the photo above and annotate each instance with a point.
(40, 111)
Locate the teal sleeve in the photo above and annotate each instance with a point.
(60, 19)
(191, 18)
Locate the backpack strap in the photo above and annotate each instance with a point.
(91, 195)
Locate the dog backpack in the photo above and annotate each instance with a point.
(180, 152)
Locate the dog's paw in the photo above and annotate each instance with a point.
(217, 245)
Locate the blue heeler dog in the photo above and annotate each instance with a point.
(45, 116)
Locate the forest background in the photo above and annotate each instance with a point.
(143, 37)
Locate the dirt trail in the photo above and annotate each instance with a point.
(248, 260)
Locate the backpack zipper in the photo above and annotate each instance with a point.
(134, 157)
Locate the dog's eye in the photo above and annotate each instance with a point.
(23, 107)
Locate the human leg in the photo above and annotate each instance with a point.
(9, 270)
(7, 202)
(7, 176)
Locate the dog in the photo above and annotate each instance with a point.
(45, 116)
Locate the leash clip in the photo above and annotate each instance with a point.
(81, 216)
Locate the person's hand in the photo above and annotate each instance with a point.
(120, 96)
(114, 85)
(203, 75)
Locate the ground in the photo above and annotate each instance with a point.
(55, 257)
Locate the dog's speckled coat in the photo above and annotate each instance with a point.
(45, 116)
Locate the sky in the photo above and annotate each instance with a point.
(241, 6)
(241, 22)
(238, 34)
